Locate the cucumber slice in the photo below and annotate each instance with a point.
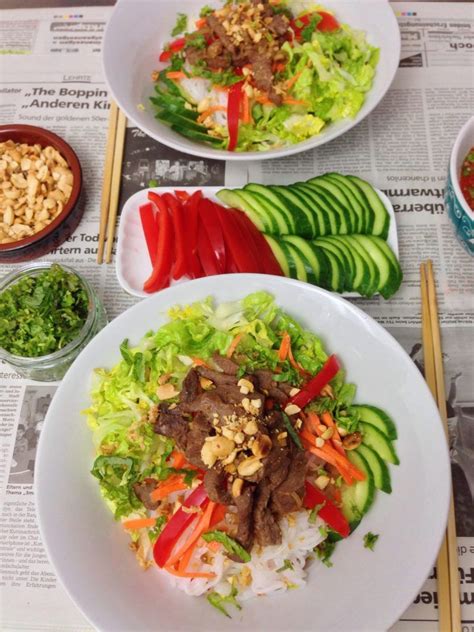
(361, 275)
(333, 216)
(316, 259)
(305, 221)
(234, 199)
(305, 253)
(368, 214)
(265, 196)
(338, 208)
(279, 254)
(177, 119)
(378, 467)
(358, 498)
(325, 223)
(345, 258)
(295, 264)
(280, 220)
(388, 276)
(378, 418)
(382, 244)
(374, 275)
(381, 216)
(338, 192)
(379, 442)
(358, 207)
(337, 273)
(195, 135)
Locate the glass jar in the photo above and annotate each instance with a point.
(52, 367)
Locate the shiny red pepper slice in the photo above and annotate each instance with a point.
(177, 524)
(209, 218)
(150, 230)
(313, 388)
(328, 512)
(173, 47)
(233, 114)
(191, 218)
(177, 214)
(206, 252)
(259, 245)
(160, 276)
(327, 23)
(244, 258)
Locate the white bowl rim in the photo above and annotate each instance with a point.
(203, 151)
(467, 128)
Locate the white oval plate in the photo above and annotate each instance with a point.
(133, 265)
(364, 591)
(131, 55)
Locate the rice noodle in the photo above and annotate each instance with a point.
(264, 574)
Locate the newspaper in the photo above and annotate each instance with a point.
(51, 76)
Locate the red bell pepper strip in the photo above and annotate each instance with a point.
(150, 230)
(313, 388)
(233, 114)
(160, 276)
(328, 512)
(191, 218)
(173, 47)
(182, 195)
(177, 524)
(206, 253)
(243, 256)
(177, 214)
(209, 218)
(328, 22)
(269, 265)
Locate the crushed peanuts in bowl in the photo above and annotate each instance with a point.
(40, 192)
(36, 183)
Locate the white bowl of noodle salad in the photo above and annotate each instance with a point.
(249, 80)
(226, 476)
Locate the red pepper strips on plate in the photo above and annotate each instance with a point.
(209, 216)
(259, 245)
(177, 214)
(191, 218)
(150, 229)
(233, 114)
(328, 512)
(245, 260)
(177, 524)
(160, 276)
(313, 388)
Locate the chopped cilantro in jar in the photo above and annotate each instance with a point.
(48, 314)
(42, 313)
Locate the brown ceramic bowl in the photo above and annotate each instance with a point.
(62, 226)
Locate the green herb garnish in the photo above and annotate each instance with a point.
(228, 543)
(324, 552)
(152, 183)
(314, 513)
(206, 10)
(42, 312)
(370, 539)
(291, 431)
(196, 41)
(181, 24)
(307, 32)
(157, 529)
(287, 565)
(216, 600)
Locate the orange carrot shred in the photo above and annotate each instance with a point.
(175, 74)
(233, 345)
(138, 523)
(201, 526)
(284, 347)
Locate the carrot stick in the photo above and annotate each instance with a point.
(213, 108)
(173, 484)
(233, 345)
(313, 422)
(292, 80)
(246, 114)
(344, 463)
(329, 455)
(202, 525)
(220, 88)
(329, 422)
(173, 571)
(184, 561)
(175, 74)
(263, 99)
(178, 460)
(296, 365)
(138, 523)
(200, 22)
(284, 347)
(199, 362)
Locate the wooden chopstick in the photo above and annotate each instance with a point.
(108, 167)
(447, 564)
(115, 183)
